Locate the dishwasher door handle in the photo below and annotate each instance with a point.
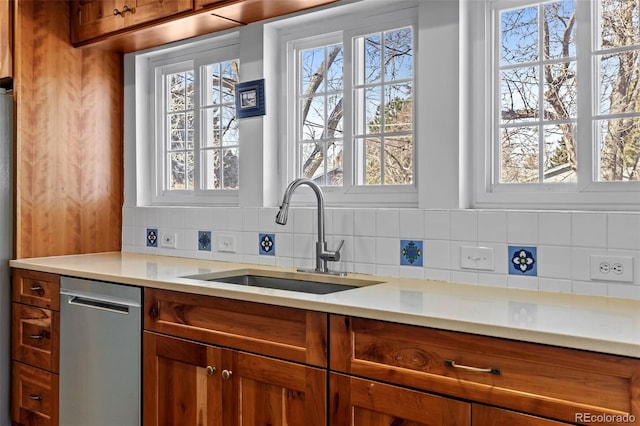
(105, 303)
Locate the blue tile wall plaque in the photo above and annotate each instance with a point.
(250, 99)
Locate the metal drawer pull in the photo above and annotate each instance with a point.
(36, 288)
(226, 374)
(36, 336)
(452, 363)
(35, 397)
(210, 370)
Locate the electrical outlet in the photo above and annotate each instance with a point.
(168, 240)
(611, 268)
(227, 243)
(480, 258)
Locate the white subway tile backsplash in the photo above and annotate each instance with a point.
(554, 228)
(589, 230)
(387, 223)
(464, 225)
(554, 262)
(492, 226)
(411, 224)
(562, 241)
(364, 223)
(522, 228)
(437, 225)
(623, 231)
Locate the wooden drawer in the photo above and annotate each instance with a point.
(547, 381)
(35, 338)
(36, 288)
(34, 396)
(358, 402)
(483, 415)
(287, 333)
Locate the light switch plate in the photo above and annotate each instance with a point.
(227, 243)
(479, 258)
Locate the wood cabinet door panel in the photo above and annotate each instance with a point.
(266, 391)
(34, 396)
(92, 18)
(548, 381)
(483, 415)
(6, 39)
(178, 386)
(35, 337)
(36, 288)
(359, 402)
(149, 10)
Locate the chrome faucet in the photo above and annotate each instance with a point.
(322, 254)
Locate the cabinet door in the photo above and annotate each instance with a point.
(181, 382)
(34, 396)
(358, 402)
(264, 391)
(92, 18)
(483, 415)
(6, 40)
(35, 336)
(149, 10)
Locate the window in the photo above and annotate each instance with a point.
(562, 90)
(197, 144)
(351, 99)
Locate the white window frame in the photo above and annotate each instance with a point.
(328, 31)
(207, 52)
(588, 192)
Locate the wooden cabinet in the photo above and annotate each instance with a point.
(35, 347)
(360, 402)
(95, 18)
(6, 41)
(545, 381)
(227, 362)
(150, 23)
(491, 416)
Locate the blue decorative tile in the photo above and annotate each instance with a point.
(410, 253)
(204, 240)
(523, 261)
(152, 237)
(267, 244)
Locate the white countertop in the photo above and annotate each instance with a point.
(582, 322)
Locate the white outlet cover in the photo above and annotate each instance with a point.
(479, 258)
(168, 240)
(611, 268)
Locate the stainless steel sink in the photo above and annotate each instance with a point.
(284, 281)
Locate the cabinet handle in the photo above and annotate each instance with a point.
(36, 336)
(36, 287)
(125, 9)
(491, 370)
(35, 397)
(210, 370)
(226, 374)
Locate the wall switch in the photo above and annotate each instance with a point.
(611, 268)
(480, 258)
(168, 240)
(227, 243)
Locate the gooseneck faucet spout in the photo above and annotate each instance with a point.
(322, 254)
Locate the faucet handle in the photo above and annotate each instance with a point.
(331, 255)
(339, 247)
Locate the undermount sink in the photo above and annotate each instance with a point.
(284, 281)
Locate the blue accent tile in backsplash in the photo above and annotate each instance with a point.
(267, 244)
(152, 237)
(204, 240)
(410, 253)
(523, 261)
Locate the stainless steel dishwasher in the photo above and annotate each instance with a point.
(100, 353)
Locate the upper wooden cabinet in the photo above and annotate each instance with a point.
(95, 18)
(130, 25)
(6, 41)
